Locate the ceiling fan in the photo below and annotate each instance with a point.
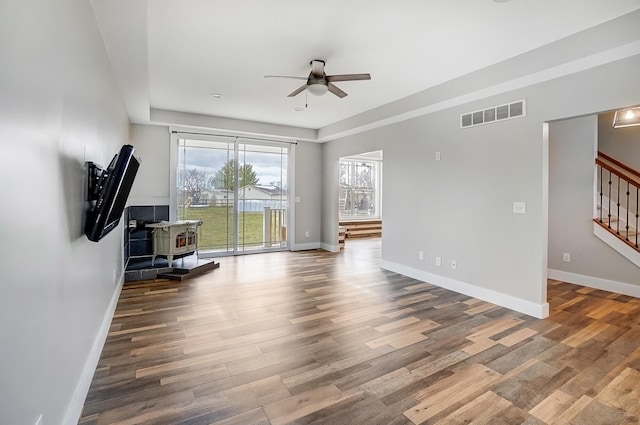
(318, 82)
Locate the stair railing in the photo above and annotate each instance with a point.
(615, 176)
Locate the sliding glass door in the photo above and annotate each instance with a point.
(238, 188)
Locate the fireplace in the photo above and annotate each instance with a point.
(171, 239)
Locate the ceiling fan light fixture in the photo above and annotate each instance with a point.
(318, 88)
(626, 117)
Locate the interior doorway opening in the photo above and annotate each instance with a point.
(360, 197)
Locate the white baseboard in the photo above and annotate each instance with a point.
(74, 410)
(330, 248)
(305, 246)
(539, 311)
(595, 282)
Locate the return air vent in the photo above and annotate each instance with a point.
(494, 114)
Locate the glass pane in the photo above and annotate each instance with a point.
(205, 191)
(262, 199)
(358, 193)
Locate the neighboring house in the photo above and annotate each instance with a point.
(261, 192)
(202, 198)
(220, 197)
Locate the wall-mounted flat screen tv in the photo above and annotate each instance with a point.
(107, 192)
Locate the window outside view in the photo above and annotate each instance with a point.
(359, 188)
(241, 210)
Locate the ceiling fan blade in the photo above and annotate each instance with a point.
(297, 91)
(317, 67)
(348, 77)
(335, 90)
(285, 76)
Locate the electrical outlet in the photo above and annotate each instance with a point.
(306, 234)
(438, 261)
(420, 255)
(114, 275)
(566, 257)
(437, 156)
(454, 265)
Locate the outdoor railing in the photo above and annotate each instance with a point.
(618, 191)
(275, 226)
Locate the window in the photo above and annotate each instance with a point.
(359, 192)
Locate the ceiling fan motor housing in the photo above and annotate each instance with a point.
(317, 86)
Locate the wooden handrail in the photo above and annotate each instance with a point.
(620, 172)
(619, 164)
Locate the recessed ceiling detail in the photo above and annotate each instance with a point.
(399, 43)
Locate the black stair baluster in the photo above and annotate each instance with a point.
(609, 209)
(626, 238)
(601, 194)
(618, 211)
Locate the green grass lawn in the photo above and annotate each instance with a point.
(217, 227)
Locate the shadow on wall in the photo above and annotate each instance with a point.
(73, 175)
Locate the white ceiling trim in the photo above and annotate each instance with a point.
(578, 65)
(231, 125)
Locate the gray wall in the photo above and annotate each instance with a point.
(308, 187)
(58, 108)
(152, 183)
(461, 207)
(571, 199)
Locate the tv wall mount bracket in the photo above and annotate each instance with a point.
(95, 180)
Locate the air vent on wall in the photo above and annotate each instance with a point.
(494, 114)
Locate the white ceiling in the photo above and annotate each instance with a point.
(173, 54)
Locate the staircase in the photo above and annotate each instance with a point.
(624, 231)
(617, 214)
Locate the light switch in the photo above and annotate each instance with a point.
(437, 156)
(297, 199)
(519, 208)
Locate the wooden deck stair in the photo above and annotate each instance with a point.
(362, 229)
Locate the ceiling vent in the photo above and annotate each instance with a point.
(494, 114)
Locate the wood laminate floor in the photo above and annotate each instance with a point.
(320, 338)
